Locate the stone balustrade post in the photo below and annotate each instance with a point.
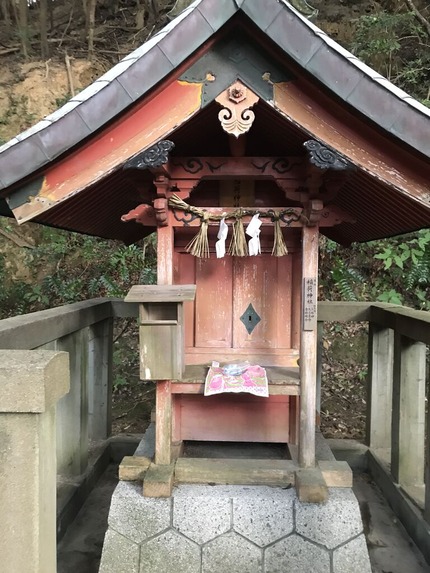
(31, 382)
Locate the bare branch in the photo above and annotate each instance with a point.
(425, 23)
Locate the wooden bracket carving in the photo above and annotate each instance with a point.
(237, 118)
(313, 211)
(160, 204)
(143, 214)
(155, 156)
(325, 158)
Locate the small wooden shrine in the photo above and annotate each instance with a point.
(231, 295)
(239, 116)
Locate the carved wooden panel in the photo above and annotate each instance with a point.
(213, 306)
(226, 289)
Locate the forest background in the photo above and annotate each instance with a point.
(51, 49)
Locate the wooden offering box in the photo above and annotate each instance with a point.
(161, 329)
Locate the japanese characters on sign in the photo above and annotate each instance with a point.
(309, 303)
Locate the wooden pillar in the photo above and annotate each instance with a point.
(163, 400)
(380, 387)
(296, 297)
(320, 334)
(165, 255)
(308, 350)
(408, 422)
(163, 424)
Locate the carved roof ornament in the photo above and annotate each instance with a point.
(155, 156)
(325, 158)
(236, 117)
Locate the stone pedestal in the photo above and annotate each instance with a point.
(31, 382)
(233, 529)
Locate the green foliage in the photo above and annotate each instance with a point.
(396, 45)
(69, 267)
(395, 270)
(408, 260)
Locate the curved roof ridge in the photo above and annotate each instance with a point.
(342, 72)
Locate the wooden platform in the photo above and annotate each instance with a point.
(282, 381)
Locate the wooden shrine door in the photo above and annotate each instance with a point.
(242, 310)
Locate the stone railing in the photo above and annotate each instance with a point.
(396, 406)
(83, 415)
(397, 432)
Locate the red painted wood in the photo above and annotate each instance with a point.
(165, 256)
(296, 300)
(225, 288)
(265, 283)
(185, 273)
(213, 305)
(232, 418)
(239, 167)
(144, 125)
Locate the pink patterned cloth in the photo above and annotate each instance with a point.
(253, 380)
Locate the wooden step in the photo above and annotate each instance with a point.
(235, 471)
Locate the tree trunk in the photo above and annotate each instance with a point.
(43, 22)
(153, 10)
(91, 16)
(5, 13)
(23, 27)
(140, 15)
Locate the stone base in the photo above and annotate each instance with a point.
(234, 529)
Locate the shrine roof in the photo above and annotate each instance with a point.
(360, 88)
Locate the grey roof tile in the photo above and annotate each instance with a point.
(412, 124)
(296, 42)
(334, 66)
(401, 94)
(136, 80)
(90, 91)
(33, 129)
(8, 144)
(417, 105)
(62, 111)
(63, 134)
(370, 98)
(195, 28)
(111, 100)
(15, 166)
(334, 45)
(116, 71)
(262, 13)
(371, 73)
(326, 65)
(145, 48)
(215, 13)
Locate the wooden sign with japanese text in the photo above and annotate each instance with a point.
(309, 303)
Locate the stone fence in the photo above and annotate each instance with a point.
(398, 386)
(34, 376)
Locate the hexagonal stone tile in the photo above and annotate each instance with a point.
(331, 523)
(264, 518)
(200, 513)
(231, 553)
(169, 552)
(296, 555)
(352, 557)
(137, 517)
(119, 554)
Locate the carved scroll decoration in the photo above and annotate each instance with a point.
(237, 118)
(155, 156)
(325, 158)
